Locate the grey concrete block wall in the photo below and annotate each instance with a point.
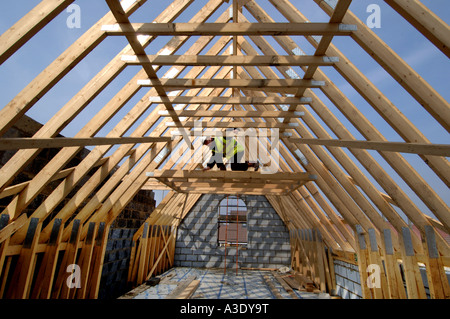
(267, 241)
(348, 282)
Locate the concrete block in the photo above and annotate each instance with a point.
(198, 264)
(116, 233)
(185, 264)
(191, 257)
(180, 257)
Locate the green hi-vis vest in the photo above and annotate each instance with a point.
(231, 148)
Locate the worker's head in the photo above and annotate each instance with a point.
(207, 140)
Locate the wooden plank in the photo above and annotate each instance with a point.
(239, 60)
(97, 260)
(230, 100)
(425, 21)
(184, 288)
(189, 291)
(401, 147)
(285, 285)
(70, 257)
(379, 292)
(234, 114)
(272, 287)
(29, 25)
(225, 29)
(228, 175)
(414, 284)
(4, 219)
(46, 275)
(29, 143)
(86, 260)
(320, 260)
(395, 284)
(363, 262)
(24, 269)
(143, 256)
(280, 85)
(203, 124)
(438, 285)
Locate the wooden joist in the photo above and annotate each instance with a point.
(204, 124)
(239, 60)
(236, 114)
(229, 175)
(57, 142)
(224, 29)
(231, 100)
(278, 85)
(401, 147)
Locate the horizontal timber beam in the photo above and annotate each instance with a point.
(200, 124)
(238, 60)
(183, 84)
(228, 29)
(232, 100)
(30, 143)
(217, 132)
(401, 147)
(240, 191)
(201, 113)
(226, 175)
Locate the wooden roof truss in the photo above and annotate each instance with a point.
(318, 185)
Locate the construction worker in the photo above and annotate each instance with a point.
(230, 149)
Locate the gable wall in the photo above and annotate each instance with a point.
(268, 238)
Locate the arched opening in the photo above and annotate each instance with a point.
(232, 222)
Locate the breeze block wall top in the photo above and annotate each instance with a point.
(267, 246)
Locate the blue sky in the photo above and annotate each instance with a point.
(40, 51)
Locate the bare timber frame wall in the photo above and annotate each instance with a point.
(350, 171)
